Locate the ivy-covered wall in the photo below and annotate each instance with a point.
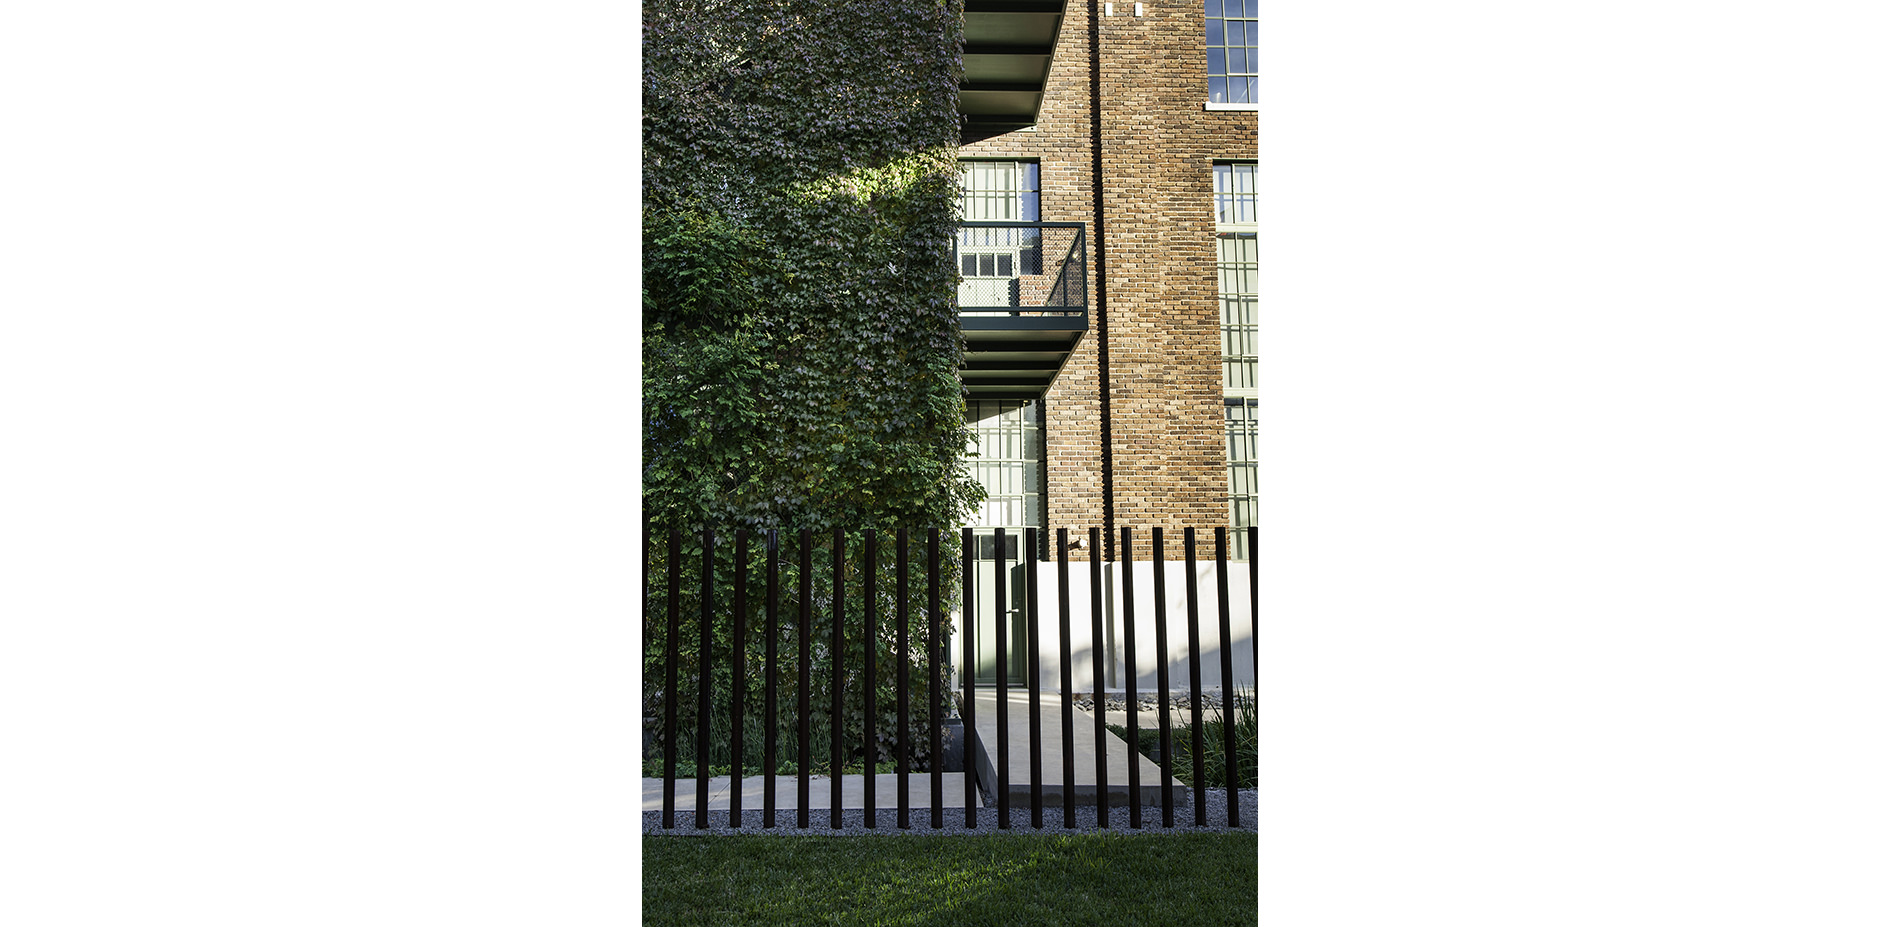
(801, 331)
(801, 336)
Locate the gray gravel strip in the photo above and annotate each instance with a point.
(753, 821)
(1210, 701)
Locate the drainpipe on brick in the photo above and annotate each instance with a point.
(1101, 277)
(1113, 661)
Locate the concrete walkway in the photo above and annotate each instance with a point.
(785, 792)
(1051, 722)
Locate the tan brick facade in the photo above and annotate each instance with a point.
(1160, 324)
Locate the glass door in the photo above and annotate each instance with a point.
(1006, 458)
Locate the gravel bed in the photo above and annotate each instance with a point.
(752, 821)
(1210, 700)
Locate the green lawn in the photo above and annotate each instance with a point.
(1167, 880)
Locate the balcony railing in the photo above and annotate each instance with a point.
(1023, 298)
(1022, 269)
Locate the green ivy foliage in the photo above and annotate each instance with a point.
(801, 339)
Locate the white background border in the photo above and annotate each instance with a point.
(318, 509)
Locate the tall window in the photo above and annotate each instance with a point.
(1243, 471)
(1005, 455)
(1237, 264)
(1000, 191)
(1237, 260)
(1233, 51)
(993, 260)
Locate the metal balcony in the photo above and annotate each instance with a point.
(1008, 47)
(1023, 299)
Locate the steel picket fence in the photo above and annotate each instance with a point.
(665, 584)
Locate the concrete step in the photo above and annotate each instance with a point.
(1052, 708)
(785, 792)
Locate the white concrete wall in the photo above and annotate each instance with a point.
(1175, 588)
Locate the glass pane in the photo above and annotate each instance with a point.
(1251, 9)
(1215, 34)
(1253, 61)
(1217, 90)
(1236, 9)
(969, 265)
(1216, 61)
(1003, 266)
(1211, 7)
(1253, 30)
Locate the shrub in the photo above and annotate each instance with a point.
(1246, 722)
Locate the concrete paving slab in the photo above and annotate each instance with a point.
(785, 793)
(685, 793)
(1052, 708)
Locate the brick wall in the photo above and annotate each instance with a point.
(1158, 336)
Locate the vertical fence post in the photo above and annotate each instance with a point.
(1162, 693)
(1253, 604)
(837, 679)
(1134, 706)
(1194, 683)
(870, 678)
(1002, 685)
(646, 623)
(903, 679)
(804, 674)
(670, 731)
(769, 798)
(933, 551)
(969, 678)
(738, 676)
(1096, 634)
(1032, 674)
(703, 742)
(1067, 702)
(1228, 745)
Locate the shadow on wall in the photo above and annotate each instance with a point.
(1174, 580)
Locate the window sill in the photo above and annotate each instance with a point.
(1231, 107)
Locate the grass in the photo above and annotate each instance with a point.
(999, 880)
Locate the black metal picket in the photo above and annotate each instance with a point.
(1100, 619)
